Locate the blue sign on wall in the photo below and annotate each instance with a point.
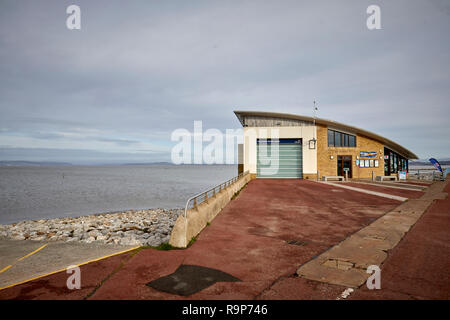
(368, 154)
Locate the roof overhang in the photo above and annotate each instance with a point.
(241, 115)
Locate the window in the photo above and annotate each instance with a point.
(337, 139)
(330, 138)
(395, 163)
(351, 141)
(345, 140)
(340, 139)
(391, 159)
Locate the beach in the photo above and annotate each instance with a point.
(133, 227)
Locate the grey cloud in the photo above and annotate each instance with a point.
(142, 70)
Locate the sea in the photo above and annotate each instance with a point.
(44, 192)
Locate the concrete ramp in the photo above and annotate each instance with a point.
(25, 260)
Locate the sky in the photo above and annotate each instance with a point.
(136, 71)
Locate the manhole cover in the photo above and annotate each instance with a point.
(297, 242)
(188, 279)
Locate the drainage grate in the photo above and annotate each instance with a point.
(188, 279)
(297, 242)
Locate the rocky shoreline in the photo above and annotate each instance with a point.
(150, 227)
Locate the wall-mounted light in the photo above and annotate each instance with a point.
(331, 157)
(312, 143)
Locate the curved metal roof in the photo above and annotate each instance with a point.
(241, 115)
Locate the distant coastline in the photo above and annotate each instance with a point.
(32, 163)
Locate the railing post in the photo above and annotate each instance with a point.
(195, 202)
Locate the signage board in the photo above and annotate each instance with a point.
(402, 175)
(368, 154)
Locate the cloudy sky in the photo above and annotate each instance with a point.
(138, 70)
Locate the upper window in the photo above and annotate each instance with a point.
(340, 139)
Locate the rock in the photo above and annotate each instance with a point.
(149, 227)
(18, 236)
(101, 237)
(129, 242)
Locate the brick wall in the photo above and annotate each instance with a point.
(328, 167)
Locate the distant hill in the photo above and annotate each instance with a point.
(148, 164)
(32, 163)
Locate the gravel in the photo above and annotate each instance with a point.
(150, 227)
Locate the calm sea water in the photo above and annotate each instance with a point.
(51, 192)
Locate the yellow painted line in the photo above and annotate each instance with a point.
(61, 270)
(5, 268)
(31, 253)
(24, 257)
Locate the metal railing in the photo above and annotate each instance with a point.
(426, 173)
(205, 195)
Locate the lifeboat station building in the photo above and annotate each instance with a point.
(278, 145)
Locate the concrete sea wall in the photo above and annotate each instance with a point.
(197, 218)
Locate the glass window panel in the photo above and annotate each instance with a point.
(352, 141)
(345, 140)
(337, 139)
(391, 160)
(330, 138)
(395, 163)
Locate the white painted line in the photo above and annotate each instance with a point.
(388, 186)
(379, 194)
(398, 183)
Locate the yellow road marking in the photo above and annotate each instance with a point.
(61, 270)
(24, 257)
(31, 253)
(5, 268)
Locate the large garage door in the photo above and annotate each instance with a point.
(279, 158)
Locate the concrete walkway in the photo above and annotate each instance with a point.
(22, 260)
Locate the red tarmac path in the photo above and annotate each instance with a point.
(248, 240)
